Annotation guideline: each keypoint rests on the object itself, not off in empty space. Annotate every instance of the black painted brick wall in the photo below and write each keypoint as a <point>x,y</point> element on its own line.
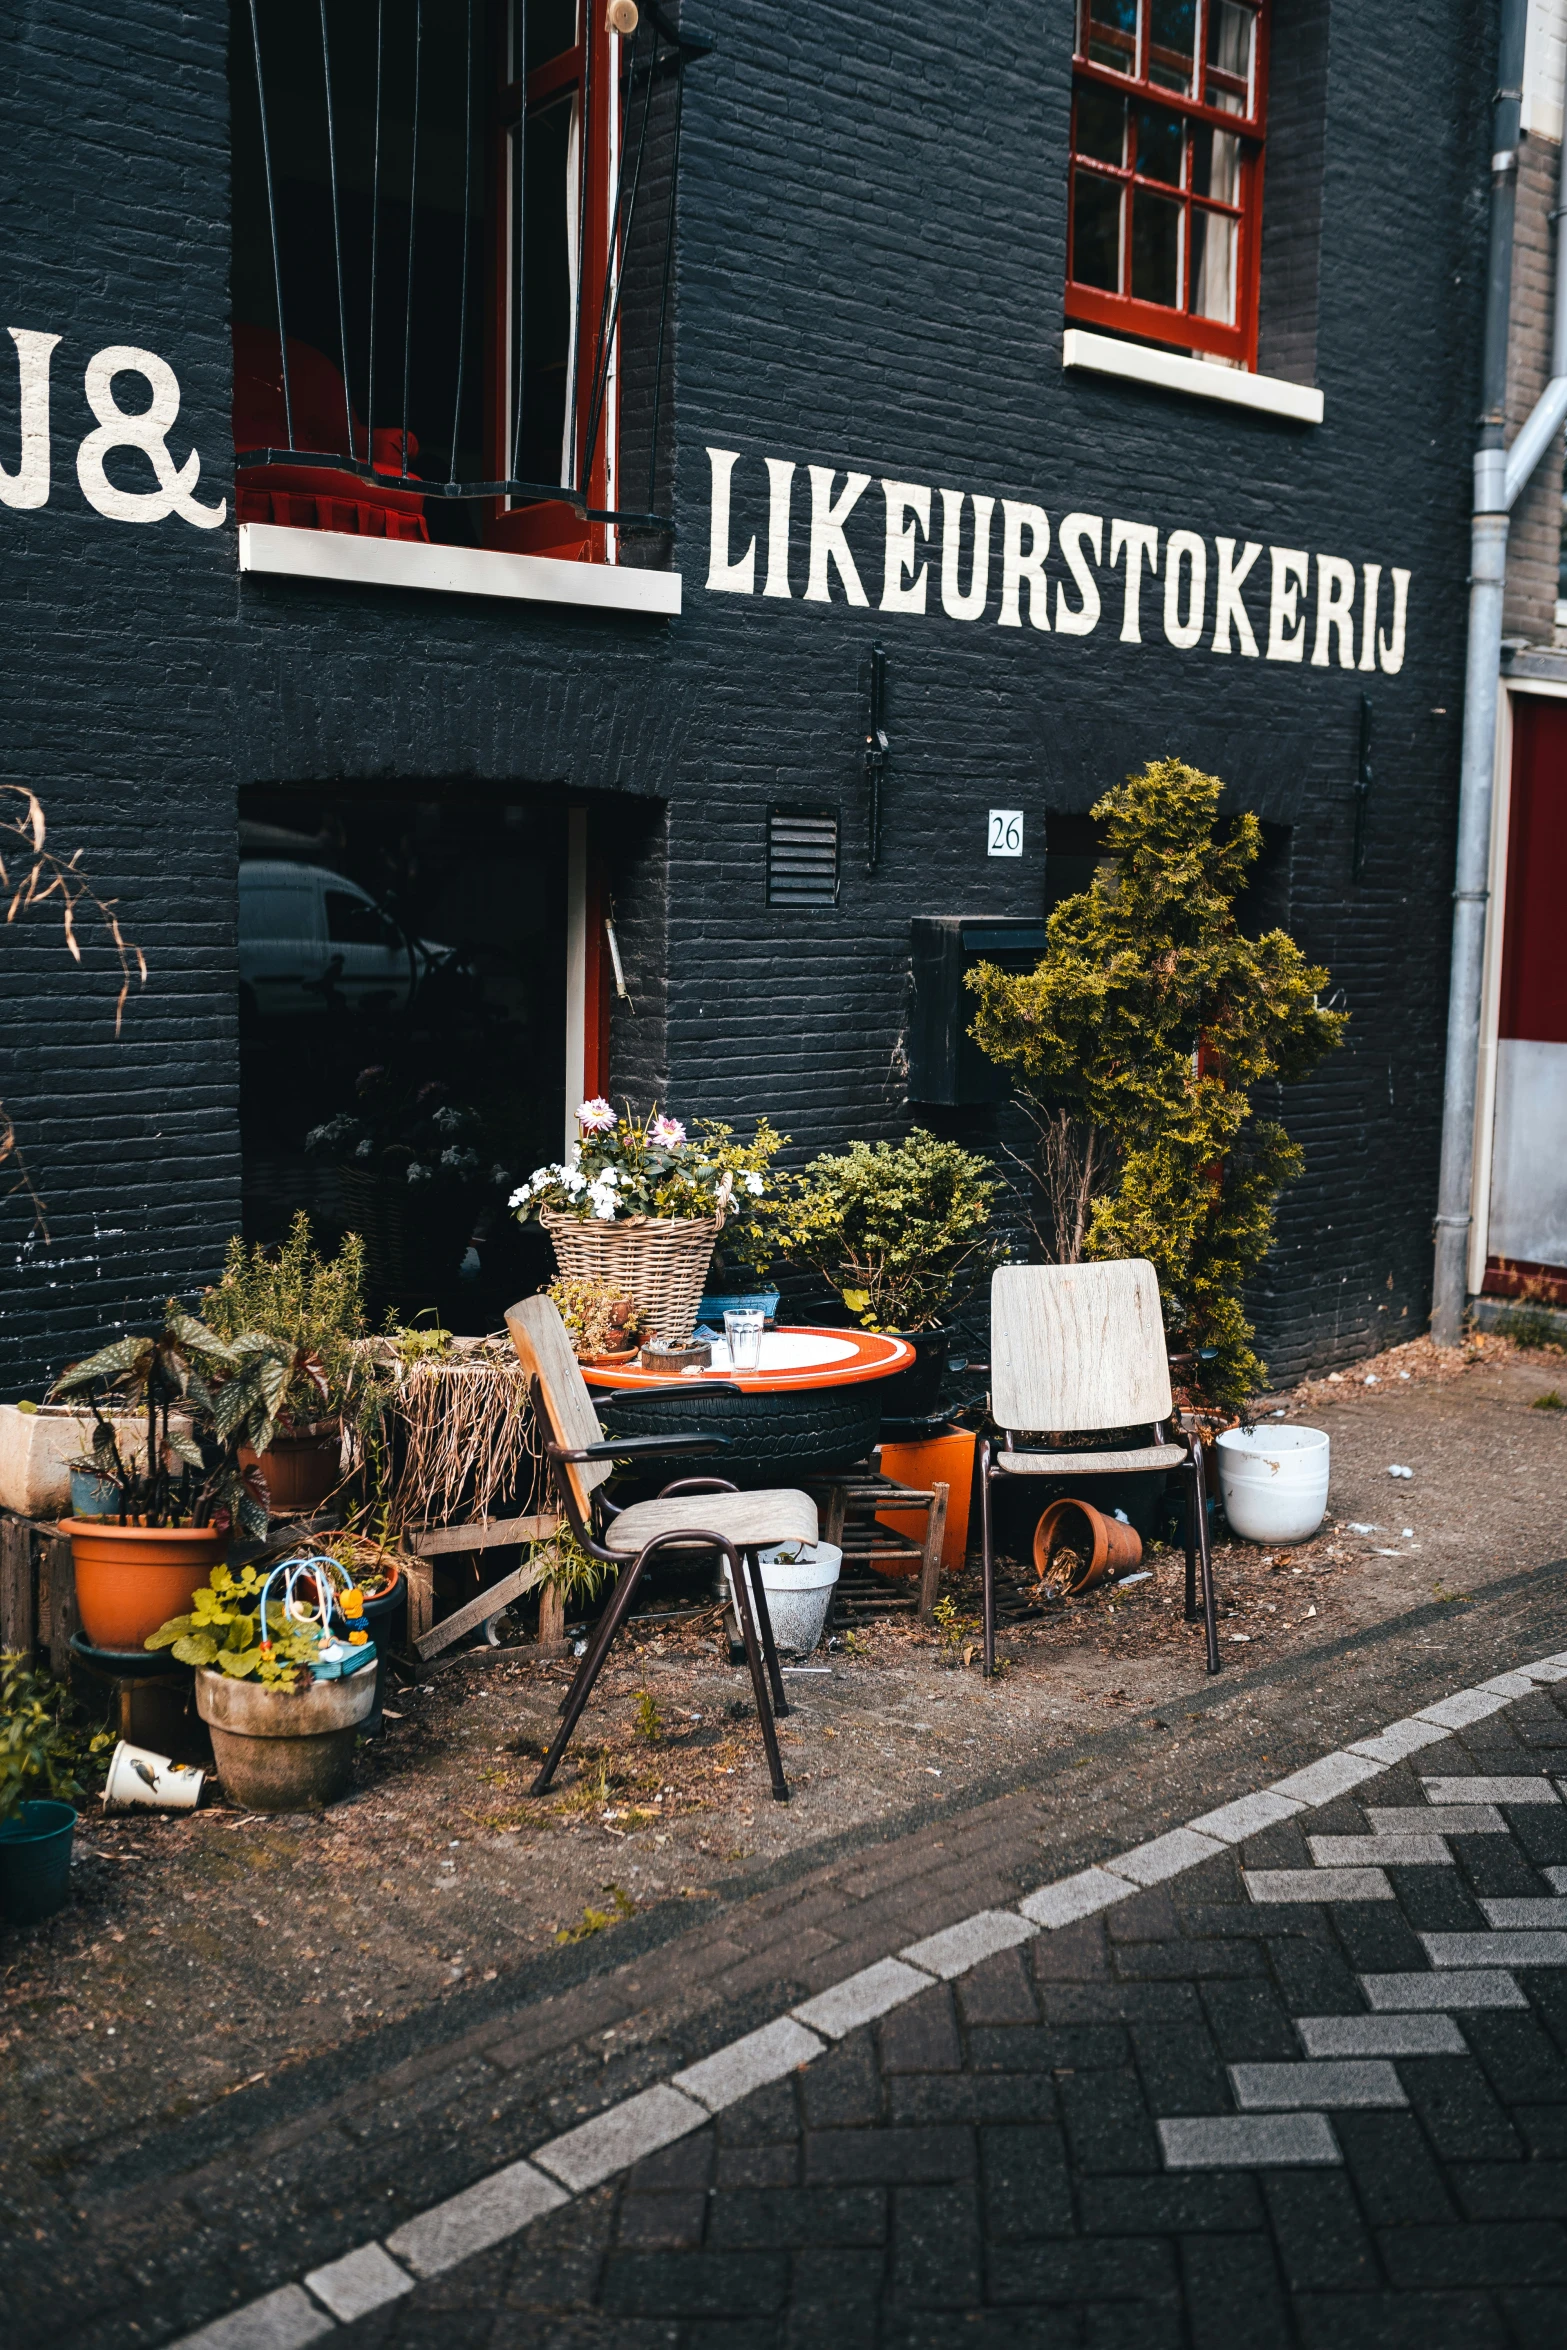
<point>869,269</point>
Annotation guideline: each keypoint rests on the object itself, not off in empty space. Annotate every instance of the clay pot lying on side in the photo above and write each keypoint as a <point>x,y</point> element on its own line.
<point>284,1749</point>
<point>1104,1546</point>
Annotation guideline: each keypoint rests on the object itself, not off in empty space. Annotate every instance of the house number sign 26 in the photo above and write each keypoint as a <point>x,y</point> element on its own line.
<point>145,429</point>
<point>1005,838</point>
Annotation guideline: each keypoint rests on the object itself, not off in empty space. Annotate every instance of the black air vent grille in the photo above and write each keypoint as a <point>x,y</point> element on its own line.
<point>802,857</point>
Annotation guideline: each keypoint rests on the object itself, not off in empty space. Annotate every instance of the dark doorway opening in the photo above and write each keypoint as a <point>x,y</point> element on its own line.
<point>402,954</point>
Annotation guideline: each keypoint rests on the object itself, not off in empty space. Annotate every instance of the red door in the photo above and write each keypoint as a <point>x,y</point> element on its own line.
<point>1528,1220</point>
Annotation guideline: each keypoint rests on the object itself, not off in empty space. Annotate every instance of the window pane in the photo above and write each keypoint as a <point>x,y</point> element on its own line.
<point>1213,266</point>
<point>1230,32</point>
<point>1216,164</point>
<point>1112,34</point>
<point>1096,231</point>
<point>1160,139</point>
<point>552,28</point>
<point>1101,124</point>
<point>1171,38</point>
<point>1156,250</point>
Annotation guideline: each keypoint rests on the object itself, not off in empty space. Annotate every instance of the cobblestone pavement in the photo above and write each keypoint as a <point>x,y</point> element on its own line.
<point>979,2158</point>
<point>1311,2090</point>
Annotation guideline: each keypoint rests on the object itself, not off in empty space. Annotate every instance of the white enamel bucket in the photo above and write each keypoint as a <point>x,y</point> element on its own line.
<point>1274,1482</point>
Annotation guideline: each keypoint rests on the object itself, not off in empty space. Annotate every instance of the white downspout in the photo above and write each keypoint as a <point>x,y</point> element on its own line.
<point>1499,476</point>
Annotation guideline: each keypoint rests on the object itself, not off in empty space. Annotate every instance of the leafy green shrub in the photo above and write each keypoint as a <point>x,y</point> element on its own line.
<point>42,1747</point>
<point>223,1628</point>
<point>900,1230</point>
<point>1136,1046</point>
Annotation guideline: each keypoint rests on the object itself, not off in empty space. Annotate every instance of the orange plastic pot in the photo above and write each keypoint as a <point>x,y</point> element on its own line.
<point>934,1460</point>
<point>1108,1548</point>
<point>131,1579</point>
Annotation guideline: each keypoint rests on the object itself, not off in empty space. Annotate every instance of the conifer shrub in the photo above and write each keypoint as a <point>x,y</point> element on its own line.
<point>1136,1046</point>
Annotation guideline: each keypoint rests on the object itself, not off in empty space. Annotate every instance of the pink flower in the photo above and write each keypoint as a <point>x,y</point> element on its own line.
<point>596,1116</point>
<point>668,1132</point>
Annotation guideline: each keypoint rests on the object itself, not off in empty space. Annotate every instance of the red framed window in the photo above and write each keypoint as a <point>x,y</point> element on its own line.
<point>1168,113</point>
<point>447,265</point>
<point>553,406</point>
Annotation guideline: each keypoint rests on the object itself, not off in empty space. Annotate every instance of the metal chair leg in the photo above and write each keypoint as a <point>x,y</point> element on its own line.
<point>1209,1604</point>
<point>764,1625</point>
<point>989,1578</point>
<point>1192,1507</point>
<point>592,1665</point>
<point>753,1657</point>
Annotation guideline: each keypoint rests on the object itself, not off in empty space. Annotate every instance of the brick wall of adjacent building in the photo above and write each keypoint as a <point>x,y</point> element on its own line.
<point>1534,538</point>
<point>871,251</point>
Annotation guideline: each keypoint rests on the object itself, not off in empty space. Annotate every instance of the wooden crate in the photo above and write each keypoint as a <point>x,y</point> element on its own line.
<point>37,1590</point>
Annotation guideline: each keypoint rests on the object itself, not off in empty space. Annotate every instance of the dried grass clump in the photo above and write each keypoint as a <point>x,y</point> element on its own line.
<point>469,1445</point>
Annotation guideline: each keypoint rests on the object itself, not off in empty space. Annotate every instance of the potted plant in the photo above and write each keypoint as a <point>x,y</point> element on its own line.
<point>902,1233</point>
<point>415,1176</point>
<point>41,1445</point>
<point>314,1307</point>
<point>604,1324</point>
<point>41,1752</point>
<point>283,1731</point>
<point>205,1401</point>
<point>639,1204</point>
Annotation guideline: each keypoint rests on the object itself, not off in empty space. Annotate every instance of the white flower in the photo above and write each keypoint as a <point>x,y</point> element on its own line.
<point>521,1196</point>
<point>595,1116</point>
<point>602,1198</point>
<point>573,1181</point>
<point>669,1132</point>
<point>753,1184</point>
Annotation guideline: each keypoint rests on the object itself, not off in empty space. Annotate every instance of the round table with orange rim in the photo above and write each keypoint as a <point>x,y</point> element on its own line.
<point>813,1407</point>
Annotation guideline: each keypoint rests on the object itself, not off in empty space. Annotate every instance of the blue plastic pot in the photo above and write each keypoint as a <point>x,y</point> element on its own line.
<point>35,1861</point>
<point>93,1496</point>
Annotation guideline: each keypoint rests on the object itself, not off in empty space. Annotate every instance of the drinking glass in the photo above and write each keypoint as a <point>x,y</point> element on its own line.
<point>743,1328</point>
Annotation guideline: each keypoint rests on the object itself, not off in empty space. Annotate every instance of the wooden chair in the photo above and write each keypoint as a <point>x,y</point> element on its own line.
<point>1076,1349</point>
<point>722,1519</point>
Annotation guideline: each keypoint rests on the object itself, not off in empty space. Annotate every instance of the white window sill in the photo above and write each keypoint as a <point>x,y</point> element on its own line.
<point>455,571</point>
<point>1172,372</point>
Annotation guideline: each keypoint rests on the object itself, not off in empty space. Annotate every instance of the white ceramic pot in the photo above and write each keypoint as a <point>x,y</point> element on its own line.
<point>798,1578</point>
<point>35,1446</point>
<point>1274,1482</point>
<point>138,1777</point>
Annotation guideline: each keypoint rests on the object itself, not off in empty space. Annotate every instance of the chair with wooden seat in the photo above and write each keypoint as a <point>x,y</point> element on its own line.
<point>705,1513</point>
<point>1080,1350</point>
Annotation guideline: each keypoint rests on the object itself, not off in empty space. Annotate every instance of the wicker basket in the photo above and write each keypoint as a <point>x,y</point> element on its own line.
<point>661,1261</point>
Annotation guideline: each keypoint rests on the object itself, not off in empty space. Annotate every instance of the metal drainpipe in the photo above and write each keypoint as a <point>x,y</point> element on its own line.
<point>1482,676</point>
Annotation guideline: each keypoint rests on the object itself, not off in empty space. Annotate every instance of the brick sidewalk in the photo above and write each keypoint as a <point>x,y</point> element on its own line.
<point>1310,2090</point>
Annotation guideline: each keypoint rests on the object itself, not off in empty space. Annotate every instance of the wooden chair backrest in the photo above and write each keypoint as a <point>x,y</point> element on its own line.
<point>1077,1347</point>
<point>544,1350</point>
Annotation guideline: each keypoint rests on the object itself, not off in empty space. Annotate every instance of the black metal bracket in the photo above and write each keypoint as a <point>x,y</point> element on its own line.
<point>876,750</point>
<point>1362,785</point>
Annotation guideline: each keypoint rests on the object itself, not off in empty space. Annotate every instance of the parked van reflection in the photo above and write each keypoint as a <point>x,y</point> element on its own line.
<point>311,939</point>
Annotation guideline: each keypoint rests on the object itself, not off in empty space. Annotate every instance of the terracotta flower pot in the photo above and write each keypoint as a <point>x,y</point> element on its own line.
<point>131,1579</point>
<point>300,1472</point>
<point>284,1749</point>
<point>1106,1547</point>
